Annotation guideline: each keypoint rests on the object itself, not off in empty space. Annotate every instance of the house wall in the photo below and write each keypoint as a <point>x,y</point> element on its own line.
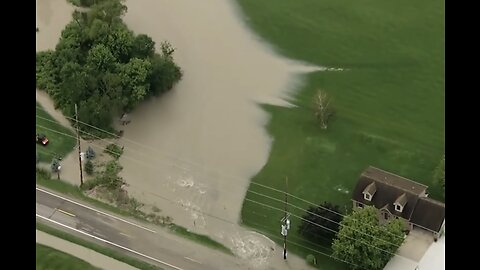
<point>410,226</point>
<point>442,229</point>
<point>357,204</point>
<point>440,233</point>
<point>436,235</point>
<point>381,216</point>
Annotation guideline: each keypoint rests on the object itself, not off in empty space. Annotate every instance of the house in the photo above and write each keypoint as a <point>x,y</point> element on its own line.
<point>397,197</point>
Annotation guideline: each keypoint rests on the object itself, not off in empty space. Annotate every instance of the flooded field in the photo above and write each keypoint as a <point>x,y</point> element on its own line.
<point>192,151</point>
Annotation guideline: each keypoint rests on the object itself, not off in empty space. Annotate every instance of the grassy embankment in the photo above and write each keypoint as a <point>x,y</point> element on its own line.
<point>61,139</point>
<point>52,259</point>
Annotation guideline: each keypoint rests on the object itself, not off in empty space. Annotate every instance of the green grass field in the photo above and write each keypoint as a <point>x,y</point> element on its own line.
<point>51,259</point>
<point>389,101</point>
<point>59,144</point>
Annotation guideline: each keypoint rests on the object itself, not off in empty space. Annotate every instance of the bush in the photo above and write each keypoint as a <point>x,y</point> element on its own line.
<point>90,154</point>
<point>83,3</point>
<point>42,173</point>
<point>311,259</point>
<point>320,223</point>
<point>90,184</point>
<point>55,165</point>
<point>89,167</point>
<point>114,150</point>
<point>108,178</point>
<point>134,205</point>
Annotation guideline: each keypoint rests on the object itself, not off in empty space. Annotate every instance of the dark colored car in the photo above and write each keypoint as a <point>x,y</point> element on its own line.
<point>42,139</point>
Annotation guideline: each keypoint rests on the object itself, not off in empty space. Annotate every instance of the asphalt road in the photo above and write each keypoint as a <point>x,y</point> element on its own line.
<point>145,241</point>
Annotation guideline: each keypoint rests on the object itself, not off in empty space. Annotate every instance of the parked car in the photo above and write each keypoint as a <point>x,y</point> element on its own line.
<point>42,139</point>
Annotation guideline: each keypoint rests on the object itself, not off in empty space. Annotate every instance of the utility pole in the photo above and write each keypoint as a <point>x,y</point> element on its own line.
<point>79,149</point>
<point>286,221</point>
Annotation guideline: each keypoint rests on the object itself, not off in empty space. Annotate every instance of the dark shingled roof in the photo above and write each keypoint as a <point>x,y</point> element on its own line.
<point>391,188</point>
<point>386,195</point>
<point>429,214</point>
<point>391,179</point>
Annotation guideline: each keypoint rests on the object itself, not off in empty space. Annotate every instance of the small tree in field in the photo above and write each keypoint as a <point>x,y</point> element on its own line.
<point>323,108</point>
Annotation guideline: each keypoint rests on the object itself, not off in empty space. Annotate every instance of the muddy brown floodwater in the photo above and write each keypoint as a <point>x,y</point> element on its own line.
<point>193,151</point>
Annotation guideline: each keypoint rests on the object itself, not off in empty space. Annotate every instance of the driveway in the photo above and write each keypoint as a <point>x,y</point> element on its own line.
<point>419,252</point>
<point>416,244</point>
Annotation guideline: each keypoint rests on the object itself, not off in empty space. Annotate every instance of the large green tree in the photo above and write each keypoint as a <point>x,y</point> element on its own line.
<point>103,67</point>
<point>364,242</point>
<point>320,224</point>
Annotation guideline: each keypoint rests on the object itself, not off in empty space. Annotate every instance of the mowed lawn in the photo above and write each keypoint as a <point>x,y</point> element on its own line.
<point>61,139</point>
<point>48,258</point>
<point>389,101</point>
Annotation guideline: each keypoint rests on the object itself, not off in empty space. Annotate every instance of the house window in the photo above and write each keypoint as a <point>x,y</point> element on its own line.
<point>367,196</point>
<point>360,205</point>
<point>385,215</point>
<point>398,208</point>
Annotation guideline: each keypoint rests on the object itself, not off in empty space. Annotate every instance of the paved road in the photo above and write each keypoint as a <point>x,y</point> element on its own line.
<point>150,243</point>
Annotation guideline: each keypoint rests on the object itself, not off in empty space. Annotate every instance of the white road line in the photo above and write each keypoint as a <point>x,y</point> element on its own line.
<point>111,243</point>
<point>98,211</point>
<point>190,259</point>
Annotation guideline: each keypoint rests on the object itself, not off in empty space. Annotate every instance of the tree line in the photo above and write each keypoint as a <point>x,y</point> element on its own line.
<point>103,67</point>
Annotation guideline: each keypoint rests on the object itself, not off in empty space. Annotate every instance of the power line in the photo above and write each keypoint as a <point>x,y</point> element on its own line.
<point>325,218</point>
<point>191,163</point>
<point>49,153</point>
<point>79,149</point>
<point>212,171</point>
<point>229,222</point>
<point>248,190</point>
<point>321,226</point>
<point>278,209</point>
<point>259,225</point>
<point>104,149</point>
<point>108,141</point>
<point>317,205</point>
<point>328,255</point>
